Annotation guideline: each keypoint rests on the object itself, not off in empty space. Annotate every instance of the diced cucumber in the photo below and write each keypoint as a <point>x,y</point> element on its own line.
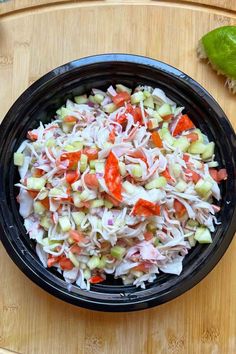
<point>83,162</point>
<point>84,195</point>
<point>146,93</point>
<point>166,136</point>
<point>77,199</point>
<point>136,171</point>
<point>45,241</point>
<point>66,127</point>
<point>78,217</point>
<point>92,164</point>
<point>100,167</point>
<point>54,192</point>
<point>153,123</point>
<point>209,151</point>
<point>93,262</point>
<point>213,164</point>
<point>156,241</point>
<point>38,208</point>
<point>64,112</point>
<point>18,158</point>
<point>108,204</point>
<point>182,143</point>
<point>196,147</point>
<point>45,222</point>
<point>73,259</point>
<point>97,203</point>
<point>192,241</point>
<point>177,170</point>
<point>192,223</point>
<point>122,168</point>
<point>87,274</point>
<point>137,273</point>
<point>154,114</point>
<point>129,187</point>
<point>156,183</point>
<point>69,147</point>
<point>51,142</point>
<point>35,183</point>
<point>151,227</point>
<point>109,108</point>
<point>64,223</point>
<point>148,102</point>
<point>203,187</point>
<point>165,125</point>
<point>122,88</point>
<point>107,144</point>
<point>118,252</point>
<point>137,97</point>
<point>102,262</point>
<point>81,99</point>
<point>203,235</point>
<point>78,145</point>
<point>200,136</point>
<point>181,186</point>
<point>91,99</point>
<point>165,110</point>
<point>98,98</point>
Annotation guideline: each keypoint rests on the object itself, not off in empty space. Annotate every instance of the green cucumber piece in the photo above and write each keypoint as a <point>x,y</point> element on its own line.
<point>203,235</point>
<point>19,158</point>
<point>118,252</point>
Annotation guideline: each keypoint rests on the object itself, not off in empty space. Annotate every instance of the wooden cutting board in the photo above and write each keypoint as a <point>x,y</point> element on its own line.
<point>36,36</point>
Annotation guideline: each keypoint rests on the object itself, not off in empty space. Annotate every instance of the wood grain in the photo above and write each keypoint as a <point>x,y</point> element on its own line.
<point>33,322</point>
<point>16,5</point>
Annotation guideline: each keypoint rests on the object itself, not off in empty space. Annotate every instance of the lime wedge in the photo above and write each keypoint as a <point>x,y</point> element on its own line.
<point>219,47</point>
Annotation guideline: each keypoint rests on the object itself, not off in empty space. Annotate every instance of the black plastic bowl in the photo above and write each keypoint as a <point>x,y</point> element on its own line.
<point>40,101</point>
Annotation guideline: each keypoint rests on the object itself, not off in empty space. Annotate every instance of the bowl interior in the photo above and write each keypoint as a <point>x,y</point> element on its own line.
<point>40,102</point>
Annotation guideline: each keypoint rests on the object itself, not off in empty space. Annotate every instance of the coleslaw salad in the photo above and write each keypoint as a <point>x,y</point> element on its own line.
<point>119,183</point>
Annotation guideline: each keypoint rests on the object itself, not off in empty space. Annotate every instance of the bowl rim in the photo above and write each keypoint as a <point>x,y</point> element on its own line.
<point>117,58</point>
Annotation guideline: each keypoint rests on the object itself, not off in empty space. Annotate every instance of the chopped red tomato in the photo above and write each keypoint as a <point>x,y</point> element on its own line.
<point>145,208</point>
<point>75,249</point>
<point>121,98</point>
<point>73,158</point>
<point>112,176</point>
<point>214,174</point>
<point>192,175</point>
<point>45,203</point>
<point>168,117</point>
<point>222,174</point>
<point>96,279</point>
<point>157,139</point>
<point>32,135</point>
<point>137,114</point>
<point>72,176</point>
<point>186,157</point>
<point>192,137</point>
<point>142,267</point>
<point>218,176</point>
<point>52,260</point>
<point>148,235</point>
<point>91,181</point>
<point>184,123</point>
<point>70,119</point>
<point>38,172</point>
<point>180,209</point>
<point>77,236</point>
<point>33,194</point>
<point>92,153</point>
<point>66,263</point>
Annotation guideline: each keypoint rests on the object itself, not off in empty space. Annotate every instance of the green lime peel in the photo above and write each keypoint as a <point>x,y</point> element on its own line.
<point>219,47</point>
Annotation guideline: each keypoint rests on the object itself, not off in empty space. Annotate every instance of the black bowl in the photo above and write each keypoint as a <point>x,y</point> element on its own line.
<point>40,101</point>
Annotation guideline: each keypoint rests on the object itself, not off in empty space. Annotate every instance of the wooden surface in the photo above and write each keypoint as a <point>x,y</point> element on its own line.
<point>33,42</point>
